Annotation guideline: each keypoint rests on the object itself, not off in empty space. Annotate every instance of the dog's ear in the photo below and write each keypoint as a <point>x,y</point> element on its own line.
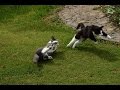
<point>53,38</point>
<point>80,25</point>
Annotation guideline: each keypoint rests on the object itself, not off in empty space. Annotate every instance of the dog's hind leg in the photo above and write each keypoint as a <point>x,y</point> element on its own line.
<point>72,41</point>
<point>94,39</point>
<point>46,56</point>
<point>35,58</point>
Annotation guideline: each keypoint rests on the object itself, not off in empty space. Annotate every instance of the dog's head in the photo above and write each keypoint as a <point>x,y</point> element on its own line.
<point>80,26</point>
<point>53,41</point>
<point>99,31</point>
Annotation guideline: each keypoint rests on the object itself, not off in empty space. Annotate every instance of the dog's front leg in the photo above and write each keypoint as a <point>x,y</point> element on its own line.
<point>49,57</point>
<point>94,39</point>
<point>76,43</point>
<point>72,41</point>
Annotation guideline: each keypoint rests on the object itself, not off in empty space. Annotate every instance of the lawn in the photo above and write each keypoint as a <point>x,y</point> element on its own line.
<point>25,28</point>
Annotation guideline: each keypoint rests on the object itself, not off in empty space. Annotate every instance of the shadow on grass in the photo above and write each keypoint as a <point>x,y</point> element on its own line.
<point>41,64</point>
<point>59,55</point>
<point>103,54</point>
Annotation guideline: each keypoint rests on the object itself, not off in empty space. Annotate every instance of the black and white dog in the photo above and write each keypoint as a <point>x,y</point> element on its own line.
<point>46,52</point>
<point>85,33</point>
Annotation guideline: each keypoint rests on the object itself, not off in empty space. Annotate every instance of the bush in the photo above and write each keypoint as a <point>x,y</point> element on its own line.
<point>113,12</point>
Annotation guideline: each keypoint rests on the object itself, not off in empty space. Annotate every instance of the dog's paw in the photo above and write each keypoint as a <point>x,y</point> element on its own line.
<point>50,57</point>
<point>68,46</point>
<point>109,37</point>
<point>73,47</point>
<point>96,42</point>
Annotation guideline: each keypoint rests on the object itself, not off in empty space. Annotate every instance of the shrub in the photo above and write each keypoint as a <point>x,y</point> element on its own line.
<point>113,12</point>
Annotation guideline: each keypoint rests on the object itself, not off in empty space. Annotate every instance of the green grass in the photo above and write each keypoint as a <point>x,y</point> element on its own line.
<point>23,29</point>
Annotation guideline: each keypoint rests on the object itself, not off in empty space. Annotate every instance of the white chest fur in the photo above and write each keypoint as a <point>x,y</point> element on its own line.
<point>51,47</point>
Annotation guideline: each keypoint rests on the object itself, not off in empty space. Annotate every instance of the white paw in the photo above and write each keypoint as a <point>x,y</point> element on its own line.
<point>68,45</point>
<point>109,37</point>
<point>50,57</point>
<point>73,47</point>
<point>96,42</point>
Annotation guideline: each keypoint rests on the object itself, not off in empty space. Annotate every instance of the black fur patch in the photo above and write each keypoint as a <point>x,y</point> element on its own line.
<point>87,32</point>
